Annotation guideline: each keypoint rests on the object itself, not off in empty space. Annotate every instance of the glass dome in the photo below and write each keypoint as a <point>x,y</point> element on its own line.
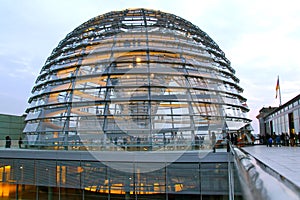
<point>135,79</point>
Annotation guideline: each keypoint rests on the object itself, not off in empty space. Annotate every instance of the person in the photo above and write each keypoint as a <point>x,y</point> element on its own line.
<point>287,138</point>
<point>270,141</point>
<point>115,140</point>
<point>197,142</point>
<point>235,139</point>
<point>20,142</point>
<point>213,141</point>
<point>267,139</point>
<point>125,141</point>
<point>252,139</point>
<point>278,141</point>
<point>227,142</point>
<point>8,142</point>
<point>138,142</point>
<point>282,138</point>
<point>296,139</point>
<point>292,139</point>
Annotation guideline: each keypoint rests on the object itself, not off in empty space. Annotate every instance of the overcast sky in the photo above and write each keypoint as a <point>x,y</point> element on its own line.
<point>260,38</point>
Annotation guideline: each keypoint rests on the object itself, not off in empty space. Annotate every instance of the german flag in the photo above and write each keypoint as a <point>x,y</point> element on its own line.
<point>277,87</point>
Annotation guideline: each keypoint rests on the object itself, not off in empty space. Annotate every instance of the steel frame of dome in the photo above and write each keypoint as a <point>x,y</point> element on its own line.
<point>143,76</point>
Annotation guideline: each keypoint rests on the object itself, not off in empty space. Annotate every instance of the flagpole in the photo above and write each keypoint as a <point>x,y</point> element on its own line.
<point>279,95</point>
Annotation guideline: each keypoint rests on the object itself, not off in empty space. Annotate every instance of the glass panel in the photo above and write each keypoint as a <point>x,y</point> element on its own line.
<point>183,177</point>
<point>214,177</point>
<point>68,174</point>
<point>94,175</point>
<point>153,181</point>
<point>33,115</point>
<point>31,127</point>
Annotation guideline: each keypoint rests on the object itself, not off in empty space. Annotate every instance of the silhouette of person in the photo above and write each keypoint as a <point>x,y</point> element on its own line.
<point>8,142</point>
<point>20,142</point>
<point>138,142</point>
<point>197,142</point>
<point>213,141</point>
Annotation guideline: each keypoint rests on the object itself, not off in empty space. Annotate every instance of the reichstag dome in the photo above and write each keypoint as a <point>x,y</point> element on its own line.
<point>135,80</point>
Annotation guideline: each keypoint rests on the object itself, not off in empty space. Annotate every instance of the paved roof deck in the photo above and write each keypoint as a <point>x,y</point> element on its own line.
<point>285,161</point>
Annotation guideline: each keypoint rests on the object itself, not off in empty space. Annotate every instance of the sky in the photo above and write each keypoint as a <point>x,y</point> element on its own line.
<point>260,38</point>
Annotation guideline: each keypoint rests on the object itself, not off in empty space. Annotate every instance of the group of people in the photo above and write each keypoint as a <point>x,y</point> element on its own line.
<point>8,142</point>
<point>284,139</point>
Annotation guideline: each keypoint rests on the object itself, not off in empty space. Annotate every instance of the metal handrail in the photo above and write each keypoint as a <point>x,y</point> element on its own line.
<point>256,183</point>
<point>108,145</point>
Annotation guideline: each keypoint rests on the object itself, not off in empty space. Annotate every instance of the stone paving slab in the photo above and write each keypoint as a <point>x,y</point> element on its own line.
<point>283,160</point>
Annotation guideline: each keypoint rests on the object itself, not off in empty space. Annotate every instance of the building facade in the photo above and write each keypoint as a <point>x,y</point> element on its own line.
<point>64,175</point>
<point>283,119</point>
<point>141,97</point>
<point>11,125</point>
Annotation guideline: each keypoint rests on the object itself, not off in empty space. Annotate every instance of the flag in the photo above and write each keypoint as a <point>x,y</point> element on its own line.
<point>277,87</point>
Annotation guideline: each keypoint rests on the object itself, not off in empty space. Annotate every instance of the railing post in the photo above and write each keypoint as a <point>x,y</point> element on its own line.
<point>230,173</point>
